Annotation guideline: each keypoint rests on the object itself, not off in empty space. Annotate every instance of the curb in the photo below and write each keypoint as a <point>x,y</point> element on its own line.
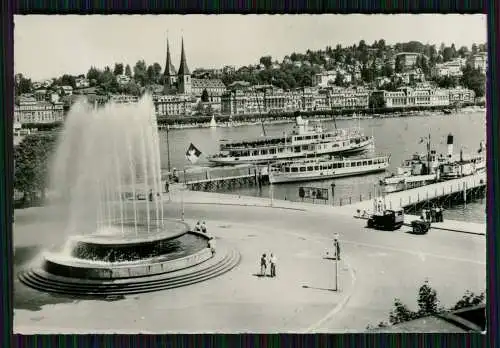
<point>244,205</point>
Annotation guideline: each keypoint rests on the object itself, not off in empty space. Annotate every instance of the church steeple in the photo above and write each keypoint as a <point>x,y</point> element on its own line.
<point>184,76</point>
<point>183,68</point>
<point>169,67</point>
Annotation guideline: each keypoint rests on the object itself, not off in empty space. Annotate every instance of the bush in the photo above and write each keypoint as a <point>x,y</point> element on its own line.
<point>428,304</point>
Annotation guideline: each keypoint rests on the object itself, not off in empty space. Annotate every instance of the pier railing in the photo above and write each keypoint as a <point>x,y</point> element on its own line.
<point>200,175</point>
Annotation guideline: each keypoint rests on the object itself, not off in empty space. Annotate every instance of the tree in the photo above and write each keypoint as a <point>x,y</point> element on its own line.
<point>428,304</point>
<point>157,72</point>
<point>150,75</point>
<point>132,88</point>
<point>68,80</point>
<point>140,73</point>
<point>204,96</point>
<point>32,162</point>
<point>339,79</point>
<point>462,51</point>
<point>118,69</point>
<point>376,100</point>
<point>267,61</point>
<point>399,67</point>
<point>94,74</point>
<point>387,70</point>
<point>469,299</point>
<point>24,85</point>
<point>446,82</point>
<point>128,71</point>
<point>475,80</point>
<point>448,54</point>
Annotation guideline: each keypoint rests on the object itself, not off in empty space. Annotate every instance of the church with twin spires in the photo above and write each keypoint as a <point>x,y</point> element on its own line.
<point>180,81</point>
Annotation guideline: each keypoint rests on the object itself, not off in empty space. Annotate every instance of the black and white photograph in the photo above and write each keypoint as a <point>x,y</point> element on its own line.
<point>249,173</point>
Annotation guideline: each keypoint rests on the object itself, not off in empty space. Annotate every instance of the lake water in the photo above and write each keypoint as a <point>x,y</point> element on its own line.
<point>396,136</point>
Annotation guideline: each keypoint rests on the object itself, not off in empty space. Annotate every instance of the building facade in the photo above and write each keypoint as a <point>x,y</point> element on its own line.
<point>409,97</point>
<point>29,110</point>
<point>173,105</point>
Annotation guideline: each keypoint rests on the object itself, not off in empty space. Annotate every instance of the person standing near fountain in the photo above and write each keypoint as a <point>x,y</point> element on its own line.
<point>272,261</point>
<point>263,265</point>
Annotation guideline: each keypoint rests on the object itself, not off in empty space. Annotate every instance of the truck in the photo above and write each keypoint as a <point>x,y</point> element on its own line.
<point>387,219</point>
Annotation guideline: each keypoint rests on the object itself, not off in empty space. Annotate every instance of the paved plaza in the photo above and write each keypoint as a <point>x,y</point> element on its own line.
<point>376,267</point>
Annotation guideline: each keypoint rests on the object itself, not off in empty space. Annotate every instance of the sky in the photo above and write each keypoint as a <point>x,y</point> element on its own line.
<point>50,46</point>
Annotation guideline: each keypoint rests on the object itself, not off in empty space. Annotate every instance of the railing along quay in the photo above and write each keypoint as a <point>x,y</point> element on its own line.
<point>223,178</point>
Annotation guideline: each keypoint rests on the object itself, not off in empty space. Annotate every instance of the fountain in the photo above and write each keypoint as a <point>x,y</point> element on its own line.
<point>107,172</point>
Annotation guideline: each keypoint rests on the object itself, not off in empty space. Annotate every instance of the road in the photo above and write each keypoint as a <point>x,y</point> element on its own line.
<point>386,265</point>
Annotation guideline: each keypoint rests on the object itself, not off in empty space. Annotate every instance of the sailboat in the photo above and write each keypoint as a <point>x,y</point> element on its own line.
<point>213,123</point>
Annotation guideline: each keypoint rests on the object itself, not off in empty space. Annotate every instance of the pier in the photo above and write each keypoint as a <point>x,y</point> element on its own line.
<point>224,178</point>
<point>443,194</point>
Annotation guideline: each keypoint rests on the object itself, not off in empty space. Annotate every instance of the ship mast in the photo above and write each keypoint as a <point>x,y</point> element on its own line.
<point>260,113</point>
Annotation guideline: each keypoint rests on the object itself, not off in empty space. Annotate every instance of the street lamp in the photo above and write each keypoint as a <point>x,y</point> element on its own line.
<point>337,257</point>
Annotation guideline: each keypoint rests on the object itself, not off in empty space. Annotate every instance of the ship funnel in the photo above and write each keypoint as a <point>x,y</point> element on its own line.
<point>449,142</point>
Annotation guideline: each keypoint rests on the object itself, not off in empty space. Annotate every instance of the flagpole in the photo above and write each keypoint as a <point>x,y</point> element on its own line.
<point>168,147</point>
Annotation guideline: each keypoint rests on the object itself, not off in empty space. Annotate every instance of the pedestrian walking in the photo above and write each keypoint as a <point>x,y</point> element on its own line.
<point>272,261</point>
<point>263,265</point>
<point>167,186</point>
<point>151,195</point>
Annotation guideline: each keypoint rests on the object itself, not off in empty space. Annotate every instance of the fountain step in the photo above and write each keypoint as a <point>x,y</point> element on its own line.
<point>81,284</point>
<point>129,290</point>
<point>80,287</point>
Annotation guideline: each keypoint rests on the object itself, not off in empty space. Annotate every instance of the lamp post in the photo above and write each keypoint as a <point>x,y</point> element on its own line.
<point>336,246</point>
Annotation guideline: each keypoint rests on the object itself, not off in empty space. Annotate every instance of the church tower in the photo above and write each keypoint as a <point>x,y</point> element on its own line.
<point>169,75</point>
<point>183,76</point>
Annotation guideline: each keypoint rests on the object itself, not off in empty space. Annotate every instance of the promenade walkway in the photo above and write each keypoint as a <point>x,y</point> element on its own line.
<point>376,267</point>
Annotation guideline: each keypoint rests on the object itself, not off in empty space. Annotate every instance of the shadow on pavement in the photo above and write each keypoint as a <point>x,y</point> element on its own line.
<point>317,288</point>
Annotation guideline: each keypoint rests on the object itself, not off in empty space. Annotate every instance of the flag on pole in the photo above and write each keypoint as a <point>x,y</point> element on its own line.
<point>193,154</point>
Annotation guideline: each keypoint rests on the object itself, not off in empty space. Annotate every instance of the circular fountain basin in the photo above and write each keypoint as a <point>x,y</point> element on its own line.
<point>129,250</point>
<point>129,233</point>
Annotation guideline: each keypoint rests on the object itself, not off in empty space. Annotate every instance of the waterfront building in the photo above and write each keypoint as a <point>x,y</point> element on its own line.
<point>173,105</point>
<point>30,110</point>
<point>214,87</point>
<point>123,98</point>
<point>461,95</point>
<point>233,102</point>
<point>413,97</point>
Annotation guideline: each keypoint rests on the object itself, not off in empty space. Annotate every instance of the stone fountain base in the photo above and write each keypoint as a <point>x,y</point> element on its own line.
<point>134,261</point>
